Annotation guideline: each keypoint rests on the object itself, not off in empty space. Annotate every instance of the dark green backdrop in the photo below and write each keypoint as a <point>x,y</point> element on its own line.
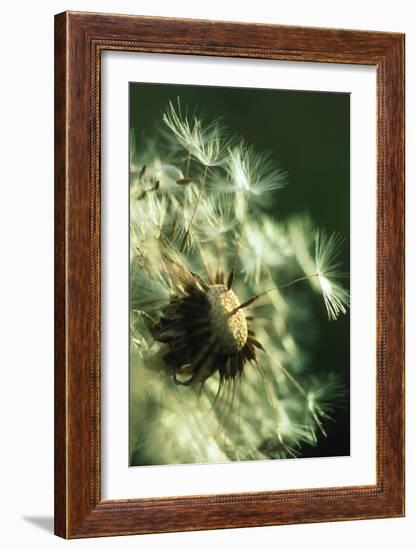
<point>309,134</point>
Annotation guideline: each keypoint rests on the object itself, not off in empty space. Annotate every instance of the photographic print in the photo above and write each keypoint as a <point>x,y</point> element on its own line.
<point>239,236</point>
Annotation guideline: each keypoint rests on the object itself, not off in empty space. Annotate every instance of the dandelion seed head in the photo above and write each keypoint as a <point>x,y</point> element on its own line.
<point>230,331</point>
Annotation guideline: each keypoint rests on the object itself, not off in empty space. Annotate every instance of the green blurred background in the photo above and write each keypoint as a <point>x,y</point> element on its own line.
<point>308,133</point>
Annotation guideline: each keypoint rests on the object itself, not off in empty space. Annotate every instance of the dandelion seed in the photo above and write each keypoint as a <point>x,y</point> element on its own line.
<point>186,221</point>
<point>323,398</point>
<point>327,393</point>
<point>263,246</point>
<point>254,172</point>
<point>327,254</point>
<point>207,143</point>
<point>213,146</point>
<point>185,130</point>
<point>287,440</point>
<point>216,217</point>
<point>148,215</point>
<point>147,219</point>
<point>148,294</point>
<point>324,269</point>
<point>251,176</point>
<point>168,175</point>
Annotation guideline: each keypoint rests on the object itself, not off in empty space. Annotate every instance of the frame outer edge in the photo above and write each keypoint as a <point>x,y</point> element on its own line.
<point>392,251</point>
<point>77,514</point>
<point>60,295</point>
<point>403,153</point>
<point>397,214</point>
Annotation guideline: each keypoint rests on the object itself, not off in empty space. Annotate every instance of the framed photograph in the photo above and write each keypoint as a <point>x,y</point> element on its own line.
<point>229,275</point>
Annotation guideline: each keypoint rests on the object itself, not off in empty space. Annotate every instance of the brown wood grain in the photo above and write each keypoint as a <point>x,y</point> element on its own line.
<point>79,40</point>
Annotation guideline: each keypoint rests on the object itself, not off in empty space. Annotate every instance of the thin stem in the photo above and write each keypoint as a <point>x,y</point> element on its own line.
<point>235,260</point>
<point>301,390</point>
<point>204,263</point>
<point>291,283</point>
<point>220,268</point>
<point>183,260</point>
<point>255,297</point>
<point>290,377</point>
<point>189,158</point>
<point>202,187</point>
<point>236,254</point>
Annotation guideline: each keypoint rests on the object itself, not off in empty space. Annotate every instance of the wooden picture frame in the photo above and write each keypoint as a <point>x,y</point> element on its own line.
<point>79,40</point>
